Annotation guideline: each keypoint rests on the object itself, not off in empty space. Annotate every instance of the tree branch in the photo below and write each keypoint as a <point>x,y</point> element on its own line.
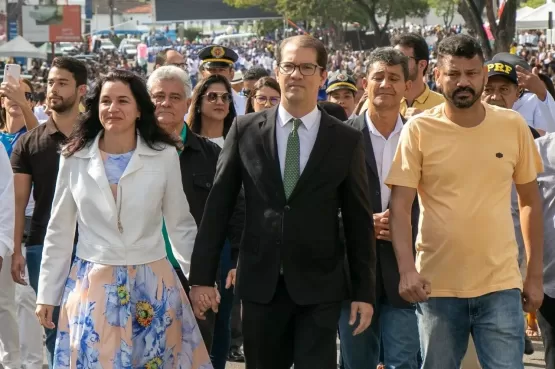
<point>491,16</point>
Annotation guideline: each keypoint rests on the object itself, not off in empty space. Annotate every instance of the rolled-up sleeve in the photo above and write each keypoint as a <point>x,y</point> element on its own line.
<point>7,204</point>
<point>180,224</point>
<point>58,243</point>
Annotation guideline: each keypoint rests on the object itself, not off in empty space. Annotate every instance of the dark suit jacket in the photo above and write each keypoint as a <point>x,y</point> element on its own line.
<point>198,166</point>
<point>387,278</point>
<point>300,233</point>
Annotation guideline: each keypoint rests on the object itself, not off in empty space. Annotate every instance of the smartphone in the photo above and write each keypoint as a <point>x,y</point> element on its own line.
<point>12,73</point>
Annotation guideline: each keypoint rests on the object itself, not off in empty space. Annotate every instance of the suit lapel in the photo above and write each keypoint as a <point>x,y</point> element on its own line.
<point>369,149</point>
<point>268,134</point>
<point>98,173</point>
<point>324,139</point>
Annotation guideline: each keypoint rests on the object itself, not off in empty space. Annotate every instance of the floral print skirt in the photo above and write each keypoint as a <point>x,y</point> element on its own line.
<point>127,317</point>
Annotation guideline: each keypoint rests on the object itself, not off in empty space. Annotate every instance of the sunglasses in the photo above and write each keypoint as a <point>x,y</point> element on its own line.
<point>212,97</point>
<point>262,100</point>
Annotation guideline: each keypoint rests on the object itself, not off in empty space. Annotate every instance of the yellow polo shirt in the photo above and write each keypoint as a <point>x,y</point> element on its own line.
<point>466,243</point>
<point>427,100</point>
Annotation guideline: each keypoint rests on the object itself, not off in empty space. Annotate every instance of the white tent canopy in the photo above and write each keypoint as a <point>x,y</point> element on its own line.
<point>538,18</point>
<point>20,47</point>
<point>523,12</point>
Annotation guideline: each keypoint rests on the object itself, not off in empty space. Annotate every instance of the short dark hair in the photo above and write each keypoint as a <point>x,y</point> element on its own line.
<point>255,73</point>
<point>462,46</point>
<point>389,56</point>
<point>308,42</point>
<point>76,67</point>
<point>89,125</point>
<point>417,43</point>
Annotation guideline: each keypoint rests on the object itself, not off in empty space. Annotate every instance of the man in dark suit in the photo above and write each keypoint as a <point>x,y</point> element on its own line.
<point>299,168</point>
<point>394,323</point>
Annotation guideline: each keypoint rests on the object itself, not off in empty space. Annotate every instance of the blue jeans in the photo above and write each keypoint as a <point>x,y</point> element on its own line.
<point>222,328</point>
<point>34,258</point>
<point>494,320</point>
<point>395,329</point>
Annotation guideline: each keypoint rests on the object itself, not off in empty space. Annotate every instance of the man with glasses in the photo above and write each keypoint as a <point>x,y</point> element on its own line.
<point>299,167</point>
<point>419,97</point>
<point>170,91</point>
<point>342,90</point>
<point>170,57</point>
<point>220,60</point>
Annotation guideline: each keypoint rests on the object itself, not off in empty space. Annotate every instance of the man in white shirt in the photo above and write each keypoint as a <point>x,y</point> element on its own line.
<point>394,327</point>
<point>10,355</point>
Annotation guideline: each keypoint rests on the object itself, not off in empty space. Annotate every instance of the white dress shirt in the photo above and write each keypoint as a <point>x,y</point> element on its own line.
<point>537,113</point>
<point>384,151</point>
<point>307,134</point>
<point>150,189</point>
<point>7,205</point>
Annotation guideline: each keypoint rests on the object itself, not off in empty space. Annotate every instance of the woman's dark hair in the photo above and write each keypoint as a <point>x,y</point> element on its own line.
<point>194,118</point>
<point>333,109</point>
<point>262,82</point>
<point>3,113</point>
<point>89,125</point>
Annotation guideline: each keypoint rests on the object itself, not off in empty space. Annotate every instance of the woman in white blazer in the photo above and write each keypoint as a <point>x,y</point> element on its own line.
<point>121,304</point>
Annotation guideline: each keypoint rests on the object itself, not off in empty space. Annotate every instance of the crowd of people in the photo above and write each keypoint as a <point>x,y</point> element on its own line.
<point>186,219</point>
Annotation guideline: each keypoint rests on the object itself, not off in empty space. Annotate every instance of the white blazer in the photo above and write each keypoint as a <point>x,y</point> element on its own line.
<point>149,189</point>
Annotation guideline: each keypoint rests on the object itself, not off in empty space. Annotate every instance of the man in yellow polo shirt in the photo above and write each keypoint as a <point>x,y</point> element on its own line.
<point>463,157</point>
<point>419,97</point>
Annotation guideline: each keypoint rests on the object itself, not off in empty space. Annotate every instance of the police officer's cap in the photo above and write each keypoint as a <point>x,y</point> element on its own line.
<point>216,56</point>
<point>501,68</point>
<point>511,59</point>
<point>342,81</point>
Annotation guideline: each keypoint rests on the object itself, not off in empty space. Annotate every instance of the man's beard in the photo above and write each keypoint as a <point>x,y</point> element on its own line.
<point>464,103</point>
<point>64,104</point>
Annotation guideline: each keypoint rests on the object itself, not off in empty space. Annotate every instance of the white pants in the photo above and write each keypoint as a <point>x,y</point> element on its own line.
<point>9,333</point>
<point>17,304</point>
<point>30,331</point>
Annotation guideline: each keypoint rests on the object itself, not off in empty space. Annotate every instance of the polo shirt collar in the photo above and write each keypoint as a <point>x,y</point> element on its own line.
<point>421,99</point>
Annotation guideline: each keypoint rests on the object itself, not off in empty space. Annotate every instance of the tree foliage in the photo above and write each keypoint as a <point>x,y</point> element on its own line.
<point>533,3</point>
<point>503,32</point>
<point>445,9</point>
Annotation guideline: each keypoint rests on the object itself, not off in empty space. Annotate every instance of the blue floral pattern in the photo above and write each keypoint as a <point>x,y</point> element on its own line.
<point>126,317</point>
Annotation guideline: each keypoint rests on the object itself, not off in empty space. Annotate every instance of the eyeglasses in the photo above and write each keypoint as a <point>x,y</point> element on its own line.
<point>306,69</point>
<point>262,100</point>
<point>29,95</point>
<point>179,65</point>
<point>212,97</point>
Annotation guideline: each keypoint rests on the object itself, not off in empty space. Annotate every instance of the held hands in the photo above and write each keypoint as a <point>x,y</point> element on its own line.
<point>204,298</point>
<point>366,311</point>
<point>44,313</point>
<point>532,294</point>
<point>413,287</point>
<point>381,226</point>
<point>18,269</point>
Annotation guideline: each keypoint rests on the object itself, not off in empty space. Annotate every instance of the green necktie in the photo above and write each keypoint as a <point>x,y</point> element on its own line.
<point>292,170</point>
